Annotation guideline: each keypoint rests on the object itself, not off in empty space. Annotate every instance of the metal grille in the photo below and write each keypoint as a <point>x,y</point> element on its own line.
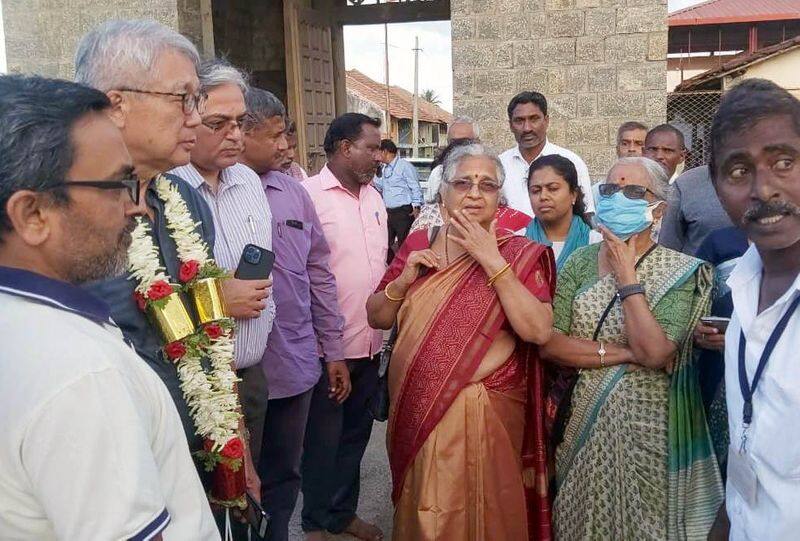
<point>692,113</point>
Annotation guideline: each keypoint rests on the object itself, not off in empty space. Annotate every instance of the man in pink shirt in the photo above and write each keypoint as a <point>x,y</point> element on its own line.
<point>353,219</point>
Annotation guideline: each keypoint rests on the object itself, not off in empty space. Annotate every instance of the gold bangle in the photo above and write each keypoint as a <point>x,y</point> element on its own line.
<point>498,274</point>
<point>393,299</point>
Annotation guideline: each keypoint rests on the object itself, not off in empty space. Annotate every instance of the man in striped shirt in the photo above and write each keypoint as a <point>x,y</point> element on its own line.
<point>241,217</point>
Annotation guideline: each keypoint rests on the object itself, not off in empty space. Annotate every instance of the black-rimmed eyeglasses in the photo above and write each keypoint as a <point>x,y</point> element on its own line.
<point>129,184</point>
<point>189,101</point>
<point>631,191</point>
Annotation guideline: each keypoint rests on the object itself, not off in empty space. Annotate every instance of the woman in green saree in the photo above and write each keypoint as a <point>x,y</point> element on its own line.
<point>636,460</point>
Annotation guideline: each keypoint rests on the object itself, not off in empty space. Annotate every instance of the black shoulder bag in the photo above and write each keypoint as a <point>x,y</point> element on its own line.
<point>379,404</point>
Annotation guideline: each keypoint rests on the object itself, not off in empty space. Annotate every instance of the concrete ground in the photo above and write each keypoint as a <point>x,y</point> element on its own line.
<point>375,502</point>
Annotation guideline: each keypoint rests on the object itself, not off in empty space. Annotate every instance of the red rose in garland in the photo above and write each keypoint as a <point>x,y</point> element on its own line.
<point>188,270</point>
<point>175,350</point>
<point>213,331</point>
<point>159,290</point>
<point>141,301</point>
<point>233,449</point>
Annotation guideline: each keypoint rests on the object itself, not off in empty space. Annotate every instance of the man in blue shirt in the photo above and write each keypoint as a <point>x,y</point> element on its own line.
<point>402,195</point>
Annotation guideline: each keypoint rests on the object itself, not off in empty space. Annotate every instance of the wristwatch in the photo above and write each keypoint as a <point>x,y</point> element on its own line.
<point>602,352</point>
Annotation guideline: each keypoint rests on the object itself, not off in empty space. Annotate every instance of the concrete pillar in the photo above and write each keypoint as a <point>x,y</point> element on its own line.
<point>598,62</point>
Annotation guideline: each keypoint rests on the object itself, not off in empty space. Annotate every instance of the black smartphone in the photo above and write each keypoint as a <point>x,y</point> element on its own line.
<point>255,264</point>
<point>719,323</point>
<point>258,518</point>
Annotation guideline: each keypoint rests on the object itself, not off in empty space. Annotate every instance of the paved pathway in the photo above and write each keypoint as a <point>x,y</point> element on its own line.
<point>375,502</point>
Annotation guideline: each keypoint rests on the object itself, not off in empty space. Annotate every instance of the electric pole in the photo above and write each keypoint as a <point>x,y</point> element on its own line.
<point>387,120</point>
<point>415,118</point>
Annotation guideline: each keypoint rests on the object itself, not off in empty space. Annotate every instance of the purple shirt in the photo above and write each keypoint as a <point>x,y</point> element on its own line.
<point>304,290</point>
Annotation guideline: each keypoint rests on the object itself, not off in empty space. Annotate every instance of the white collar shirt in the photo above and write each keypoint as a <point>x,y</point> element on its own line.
<point>92,446</point>
<point>773,438</point>
<point>515,187</point>
<point>241,216</point>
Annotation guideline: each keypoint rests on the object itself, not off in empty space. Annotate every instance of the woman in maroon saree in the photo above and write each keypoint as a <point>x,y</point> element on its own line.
<point>467,444</point>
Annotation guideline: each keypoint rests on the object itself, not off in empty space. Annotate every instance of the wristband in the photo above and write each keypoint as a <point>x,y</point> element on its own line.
<point>626,291</point>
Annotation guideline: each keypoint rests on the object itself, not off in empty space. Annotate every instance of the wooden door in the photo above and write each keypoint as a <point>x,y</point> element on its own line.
<point>310,77</point>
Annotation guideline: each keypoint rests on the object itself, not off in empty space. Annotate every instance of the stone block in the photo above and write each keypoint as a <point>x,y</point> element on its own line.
<point>559,4</point>
<point>614,104</point>
<point>562,24</point>
<point>656,104</point>
<point>493,82</point>
<point>562,106</point>
<point>531,79</point>
<point>508,6</point>
<point>567,79</point>
<point>642,76</point>
<point>649,18</point>
<point>657,45</point>
<point>587,105</point>
<point>488,28</point>
<point>583,131</point>
<point>590,49</point>
<point>503,56</point>
<point>531,26</point>
<point>463,83</point>
<point>460,7</point>
<point>557,131</point>
<point>468,55</point>
<point>557,51</point>
<point>626,48</point>
<point>462,28</point>
<point>598,158</point>
<point>600,22</point>
<point>602,78</point>
<point>525,53</point>
<point>583,4</point>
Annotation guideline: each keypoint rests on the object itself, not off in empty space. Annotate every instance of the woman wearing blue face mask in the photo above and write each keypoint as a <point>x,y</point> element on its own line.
<point>635,450</point>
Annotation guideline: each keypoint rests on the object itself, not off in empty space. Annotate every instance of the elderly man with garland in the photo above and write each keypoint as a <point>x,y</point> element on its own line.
<point>149,74</point>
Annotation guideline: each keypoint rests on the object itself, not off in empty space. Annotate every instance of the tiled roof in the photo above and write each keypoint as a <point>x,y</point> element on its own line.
<point>735,11</point>
<point>698,81</point>
<point>401,101</point>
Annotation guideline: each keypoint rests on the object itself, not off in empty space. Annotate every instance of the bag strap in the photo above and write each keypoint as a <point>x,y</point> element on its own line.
<point>615,297</point>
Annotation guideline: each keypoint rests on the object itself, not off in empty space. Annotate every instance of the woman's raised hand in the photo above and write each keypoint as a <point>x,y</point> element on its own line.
<point>477,241</point>
<point>621,257</point>
<point>417,260</point>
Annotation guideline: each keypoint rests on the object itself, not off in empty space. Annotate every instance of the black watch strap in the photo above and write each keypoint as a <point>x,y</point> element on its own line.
<point>626,291</point>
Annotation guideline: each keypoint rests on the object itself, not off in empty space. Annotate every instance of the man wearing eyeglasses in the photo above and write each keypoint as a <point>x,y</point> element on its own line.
<point>149,73</point>
<point>241,216</point>
<point>92,446</point>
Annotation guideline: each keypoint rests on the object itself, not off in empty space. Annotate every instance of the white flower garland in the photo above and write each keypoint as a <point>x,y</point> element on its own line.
<point>210,395</point>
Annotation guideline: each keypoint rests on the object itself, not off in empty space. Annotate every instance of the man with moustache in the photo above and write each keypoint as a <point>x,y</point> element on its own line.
<point>630,139</point>
<point>755,166</point>
<point>353,218</point>
<point>528,120</point>
<point>241,216</point>
<point>149,73</point>
<point>666,145</point>
<point>92,445</point>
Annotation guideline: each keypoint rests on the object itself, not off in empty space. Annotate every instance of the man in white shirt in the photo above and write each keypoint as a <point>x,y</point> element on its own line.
<point>528,120</point>
<point>92,446</point>
<point>241,216</point>
<point>756,173</point>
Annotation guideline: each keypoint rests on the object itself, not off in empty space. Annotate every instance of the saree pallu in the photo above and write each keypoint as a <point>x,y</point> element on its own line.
<point>468,459</point>
<point>637,461</point>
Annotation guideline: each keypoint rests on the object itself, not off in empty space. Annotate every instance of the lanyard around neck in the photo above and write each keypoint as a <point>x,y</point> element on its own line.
<point>747,389</point>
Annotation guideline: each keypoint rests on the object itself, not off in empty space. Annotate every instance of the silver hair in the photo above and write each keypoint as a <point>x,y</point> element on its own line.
<point>263,104</point>
<point>465,120</point>
<point>458,154</point>
<point>121,53</point>
<point>659,182</point>
<point>218,72</point>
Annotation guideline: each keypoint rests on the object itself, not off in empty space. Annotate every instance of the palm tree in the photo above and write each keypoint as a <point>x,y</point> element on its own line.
<point>431,97</point>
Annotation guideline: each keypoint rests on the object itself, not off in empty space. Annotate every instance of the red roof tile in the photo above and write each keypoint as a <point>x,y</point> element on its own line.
<point>401,101</point>
<point>736,11</point>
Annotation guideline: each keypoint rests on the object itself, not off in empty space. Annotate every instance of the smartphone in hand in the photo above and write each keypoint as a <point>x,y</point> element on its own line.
<point>255,263</point>
<point>258,518</point>
<point>719,323</point>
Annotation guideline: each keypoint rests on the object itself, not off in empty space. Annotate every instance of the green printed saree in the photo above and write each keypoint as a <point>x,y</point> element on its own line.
<point>636,461</point>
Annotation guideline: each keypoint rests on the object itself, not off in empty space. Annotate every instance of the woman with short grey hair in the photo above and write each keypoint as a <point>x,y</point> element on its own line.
<point>470,301</point>
<point>633,446</point>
